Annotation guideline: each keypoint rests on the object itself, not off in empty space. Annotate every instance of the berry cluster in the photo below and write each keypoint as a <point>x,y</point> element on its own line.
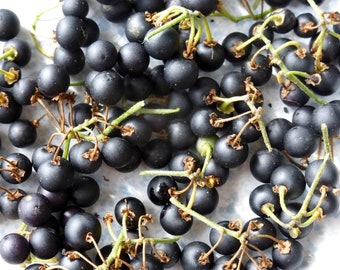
<point>155,105</point>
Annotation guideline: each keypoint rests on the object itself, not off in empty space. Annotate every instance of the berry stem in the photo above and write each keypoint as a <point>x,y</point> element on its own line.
<point>326,142</point>
<point>205,220</point>
<point>10,53</point>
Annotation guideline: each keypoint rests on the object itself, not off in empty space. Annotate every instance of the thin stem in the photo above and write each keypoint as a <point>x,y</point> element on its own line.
<point>312,188</point>
<point>325,138</point>
<point>205,220</point>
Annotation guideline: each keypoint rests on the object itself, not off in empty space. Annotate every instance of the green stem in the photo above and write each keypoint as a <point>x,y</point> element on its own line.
<point>316,214</point>
<point>292,77</point>
<point>205,220</point>
<point>158,111</point>
<point>311,190</point>
<point>207,30</point>
<point>81,83</point>
<point>10,53</point>
<point>326,141</point>
<point>165,173</point>
<point>282,193</point>
<point>268,210</point>
<point>169,24</point>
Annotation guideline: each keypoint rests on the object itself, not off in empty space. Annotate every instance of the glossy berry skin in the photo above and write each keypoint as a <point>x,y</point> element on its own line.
<point>137,87</point>
<point>74,264</point>
<point>78,8</point>
<point>250,133</point>
<point>172,251</point>
<point>133,204</point>
<point>261,195</point>
<point>107,87</point>
<point>294,208</point>
<point>150,261</point>
<point>259,71</point>
<point>101,55</point>
<point>157,153</point>
<point>163,45</point>
<point>16,168</point>
<point>277,3</point>
<point>58,200</point>
<point>34,209</point>
<point>78,226</point>
<point>9,24</point>
<point>209,57</point>
<point>293,259</point>
<point>329,177</point>
<point>85,191</point>
<point>326,114</point>
<point>116,11</point>
<point>181,160</point>
<point>11,67</point>
<point>14,248</point>
<point>231,42</point>
<point>23,49</point>
<point>141,130</point>
<point>132,58</point>
<point>264,162</point>
<point>80,112</point>
<point>330,204</point>
<point>22,133</point>
<point>116,152</point>
<point>254,30</point>
<point>43,153</point>
<point>161,86</point>
<point>181,73</point>
<point>180,134</point>
<point>288,21</point>
<point>303,116</point>
<point>329,81</point>
<point>200,122</point>
<point>228,244</point>
<point>205,200</point>
<point>9,205</point>
<point>158,189</point>
<point>330,48</point>
<point>293,96</point>
<point>181,100</point>
<point>71,32</point>
<point>136,27</point>
<point>10,110</point>
<point>304,23</point>
<point>93,31</point>
<point>201,89</point>
<point>225,260</point>
<point>227,155</point>
<point>205,6</point>
<point>85,157</point>
<point>72,60</point>
<point>300,141</point>
<point>44,243</point>
<point>56,175</point>
<point>216,173</point>
<point>299,61</point>
<point>52,80</point>
<point>134,160</point>
<point>172,222</point>
<point>276,129</point>
<point>24,89</point>
<point>260,226</point>
<point>291,177</point>
<point>191,253</point>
